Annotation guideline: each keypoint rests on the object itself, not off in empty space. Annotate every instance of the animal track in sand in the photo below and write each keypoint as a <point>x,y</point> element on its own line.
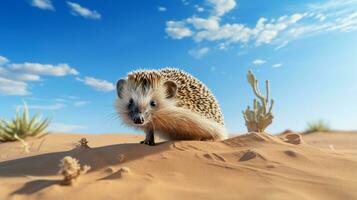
<point>291,153</point>
<point>186,146</point>
<point>123,171</point>
<point>214,156</point>
<point>249,155</point>
<point>175,146</point>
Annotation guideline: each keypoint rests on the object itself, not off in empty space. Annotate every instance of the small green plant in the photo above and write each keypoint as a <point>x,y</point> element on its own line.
<point>258,119</point>
<point>317,126</point>
<point>22,126</point>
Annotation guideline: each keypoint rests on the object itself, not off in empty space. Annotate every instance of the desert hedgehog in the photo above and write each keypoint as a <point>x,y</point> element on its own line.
<point>171,103</point>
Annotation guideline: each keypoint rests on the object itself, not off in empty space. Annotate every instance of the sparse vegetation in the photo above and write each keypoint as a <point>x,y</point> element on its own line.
<point>22,126</point>
<point>258,119</point>
<point>317,126</point>
<point>83,143</point>
<point>71,170</point>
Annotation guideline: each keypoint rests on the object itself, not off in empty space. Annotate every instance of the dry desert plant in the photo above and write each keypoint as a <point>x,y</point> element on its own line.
<point>71,169</point>
<point>22,126</point>
<point>83,143</point>
<point>317,126</point>
<point>260,117</point>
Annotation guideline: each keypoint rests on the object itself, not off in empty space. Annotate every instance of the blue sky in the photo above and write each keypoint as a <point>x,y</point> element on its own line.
<point>63,57</point>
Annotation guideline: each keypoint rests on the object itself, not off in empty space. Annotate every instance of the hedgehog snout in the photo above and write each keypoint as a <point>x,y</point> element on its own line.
<point>138,119</point>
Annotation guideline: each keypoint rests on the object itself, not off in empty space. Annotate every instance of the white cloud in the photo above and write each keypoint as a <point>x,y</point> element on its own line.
<point>177,30</point>
<point>3,60</point>
<point>314,19</point>
<point>210,29</point>
<point>43,4</point>
<point>81,103</point>
<point>199,52</point>
<point>221,7</point>
<point>78,10</point>
<point>14,77</point>
<point>201,23</point>
<point>61,127</point>
<point>97,84</point>
<point>332,5</point>
<point>258,62</point>
<point>161,9</point>
<point>185,2</point>
<point>11,87</point>
<point>9,74</point>
<point>277,65</point>
<point>266,32</point>
<point>199,8</point>
<point>282,45</point>
<point>55,106</point>
<point>71,97</point>
<point>60,100</point>
<point>228,33</point>
<point>320,17</point>
<point>44,69</point>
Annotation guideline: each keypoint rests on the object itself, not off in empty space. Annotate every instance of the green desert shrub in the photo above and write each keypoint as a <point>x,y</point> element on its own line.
<point>317,126</point>
<point>22,126</point>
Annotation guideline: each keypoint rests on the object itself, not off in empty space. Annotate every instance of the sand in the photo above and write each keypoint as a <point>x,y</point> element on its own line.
<point>250,166</point>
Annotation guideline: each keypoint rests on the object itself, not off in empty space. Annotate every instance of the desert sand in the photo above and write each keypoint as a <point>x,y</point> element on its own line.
<point>250,166</point>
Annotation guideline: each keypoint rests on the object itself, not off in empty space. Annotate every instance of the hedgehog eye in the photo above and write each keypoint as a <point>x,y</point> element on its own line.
<point>153,103</point>
<point>131,101</point>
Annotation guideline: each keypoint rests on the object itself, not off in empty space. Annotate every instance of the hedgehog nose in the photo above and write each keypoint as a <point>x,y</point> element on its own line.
<point>139,120</point>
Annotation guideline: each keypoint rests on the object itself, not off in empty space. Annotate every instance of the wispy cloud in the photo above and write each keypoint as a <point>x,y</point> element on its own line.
<point>79,10</point>
<point>61,127</point>
<point>199,52</point>
<point>11,87</point>
<point>18,76</point>
<point>177,30</point>
<point>3,60</point>
<point>277,65</point>
<point>199,8</point>
<point>97,84</point>
<point>14,76</point>
<point>43,4</point>
<point>185,2</point>
<point>57,103</point>
<point>55,106</point>
<point>210,29</point>
<point>314,19</point>
<point>44,69</point>
<point>282,45</point>
<point>81,103</point>
<point>161,8</point>
<point>221,7</point>
<point>258,62</point>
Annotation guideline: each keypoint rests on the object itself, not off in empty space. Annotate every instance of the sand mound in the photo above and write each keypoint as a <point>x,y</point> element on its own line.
<point>250,166</point>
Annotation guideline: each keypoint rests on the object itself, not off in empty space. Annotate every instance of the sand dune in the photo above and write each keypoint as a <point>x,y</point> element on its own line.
<point>251,166</point>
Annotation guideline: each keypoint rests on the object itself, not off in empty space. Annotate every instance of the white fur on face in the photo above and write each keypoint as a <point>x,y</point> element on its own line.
<point>142,100</point>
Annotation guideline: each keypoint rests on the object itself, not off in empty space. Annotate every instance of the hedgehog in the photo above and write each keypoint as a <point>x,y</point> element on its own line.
<point>171,104</point>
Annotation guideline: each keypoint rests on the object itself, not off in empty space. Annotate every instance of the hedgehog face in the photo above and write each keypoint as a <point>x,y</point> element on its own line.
<point>137,103</point>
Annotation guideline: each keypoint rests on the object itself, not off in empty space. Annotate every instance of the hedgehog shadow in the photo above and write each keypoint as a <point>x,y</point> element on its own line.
<point>99,157</point>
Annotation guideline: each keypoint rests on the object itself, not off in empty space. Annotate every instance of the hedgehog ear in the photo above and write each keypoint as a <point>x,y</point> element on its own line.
<point>171,89</point>
<point>120,86</point>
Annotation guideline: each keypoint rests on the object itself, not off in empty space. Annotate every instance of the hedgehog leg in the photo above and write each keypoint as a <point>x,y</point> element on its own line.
<point>150,138</point>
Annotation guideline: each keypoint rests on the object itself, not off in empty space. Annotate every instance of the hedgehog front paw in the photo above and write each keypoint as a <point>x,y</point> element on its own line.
<point>148,142</point>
